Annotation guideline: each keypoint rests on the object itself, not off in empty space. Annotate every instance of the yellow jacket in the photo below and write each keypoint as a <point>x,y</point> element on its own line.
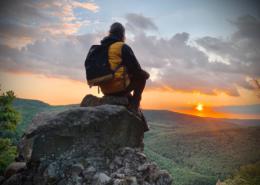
<point>121,79</point>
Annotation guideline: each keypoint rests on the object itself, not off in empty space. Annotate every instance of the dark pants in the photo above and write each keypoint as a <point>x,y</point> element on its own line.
<point>137,84</point>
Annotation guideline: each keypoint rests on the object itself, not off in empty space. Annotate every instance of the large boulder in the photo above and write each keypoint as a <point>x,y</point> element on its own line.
<point>80,131</point>
<point>99,145</point>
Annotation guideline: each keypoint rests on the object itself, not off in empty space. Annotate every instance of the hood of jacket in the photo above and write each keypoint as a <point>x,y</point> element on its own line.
<point>109,40</point>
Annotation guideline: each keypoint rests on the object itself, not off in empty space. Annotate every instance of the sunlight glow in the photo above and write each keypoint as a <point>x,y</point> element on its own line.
<point>199,107</point>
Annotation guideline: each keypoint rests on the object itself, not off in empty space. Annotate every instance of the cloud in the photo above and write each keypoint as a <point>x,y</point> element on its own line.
<point>208,65</point>
<point>242,50</point>
<point>29,20</point>
<point>139,23</point>
<point>86,5</point>
<point>54,56</point>
<point>248,27</point>
<point>180,66</point>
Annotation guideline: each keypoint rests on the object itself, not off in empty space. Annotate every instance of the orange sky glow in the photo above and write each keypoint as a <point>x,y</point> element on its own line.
<point>57,91</point>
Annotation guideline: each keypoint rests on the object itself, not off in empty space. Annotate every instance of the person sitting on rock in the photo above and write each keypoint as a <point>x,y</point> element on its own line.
<point>130,77</point>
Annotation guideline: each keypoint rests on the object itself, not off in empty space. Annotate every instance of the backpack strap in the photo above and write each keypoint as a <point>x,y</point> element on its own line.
<point>117,68</point>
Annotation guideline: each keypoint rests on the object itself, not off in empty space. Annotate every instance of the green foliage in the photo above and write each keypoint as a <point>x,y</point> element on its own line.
<point>9,119</point>
<point>181,174</point>
<point>247,175</point>
<point>7,153</point>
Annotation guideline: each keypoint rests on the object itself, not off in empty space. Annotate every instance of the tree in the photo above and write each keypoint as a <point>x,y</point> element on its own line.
<point>247,175</point>
<point>9,119</point>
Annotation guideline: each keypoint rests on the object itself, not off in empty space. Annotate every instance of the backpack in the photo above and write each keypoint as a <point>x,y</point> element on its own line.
<point>97,66</point>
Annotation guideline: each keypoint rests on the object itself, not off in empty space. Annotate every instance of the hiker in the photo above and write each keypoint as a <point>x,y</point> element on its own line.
<point>129,77</point>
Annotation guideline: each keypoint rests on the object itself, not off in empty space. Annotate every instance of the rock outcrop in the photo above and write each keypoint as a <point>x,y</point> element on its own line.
<point>99,145</point>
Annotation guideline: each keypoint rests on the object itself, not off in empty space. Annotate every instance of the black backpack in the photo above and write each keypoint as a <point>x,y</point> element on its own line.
<point>97,65</point>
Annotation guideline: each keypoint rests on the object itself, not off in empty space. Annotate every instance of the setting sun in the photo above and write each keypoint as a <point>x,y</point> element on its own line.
<point>199,107</point>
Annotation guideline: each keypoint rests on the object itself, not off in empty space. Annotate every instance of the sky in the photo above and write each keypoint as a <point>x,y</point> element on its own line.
<point>198,52</point>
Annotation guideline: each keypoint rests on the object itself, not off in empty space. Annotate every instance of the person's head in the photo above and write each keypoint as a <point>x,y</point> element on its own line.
<point>117,30</point>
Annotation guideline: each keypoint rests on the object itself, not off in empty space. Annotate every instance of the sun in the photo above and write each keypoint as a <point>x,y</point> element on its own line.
<point>199,107</point>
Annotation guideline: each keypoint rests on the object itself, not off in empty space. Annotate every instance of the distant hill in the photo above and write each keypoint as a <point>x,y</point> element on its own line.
<point>196,150</point>
<point>243,122</point>
<point>28,109</point>
<point>20,102</point>
<point>244,109</point>
<point>174,117</point>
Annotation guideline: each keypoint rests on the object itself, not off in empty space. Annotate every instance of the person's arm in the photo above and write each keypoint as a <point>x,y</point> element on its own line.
<point>132,65</point>
<point>129,60</point>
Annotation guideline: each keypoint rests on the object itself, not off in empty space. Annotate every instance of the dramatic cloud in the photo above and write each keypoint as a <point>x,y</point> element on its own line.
<point>180,66</point>
<point>209,65</point>
<point>42,37</point>
<point>39,37</point>
<point>54,56</point>
<point>25,21</point>
<point>242,51</point>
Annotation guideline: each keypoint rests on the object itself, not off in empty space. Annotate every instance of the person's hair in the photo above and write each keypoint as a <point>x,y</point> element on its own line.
<point>118,30</point>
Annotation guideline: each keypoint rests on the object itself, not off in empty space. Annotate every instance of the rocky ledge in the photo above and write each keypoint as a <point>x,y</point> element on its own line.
<point>99,145</point>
